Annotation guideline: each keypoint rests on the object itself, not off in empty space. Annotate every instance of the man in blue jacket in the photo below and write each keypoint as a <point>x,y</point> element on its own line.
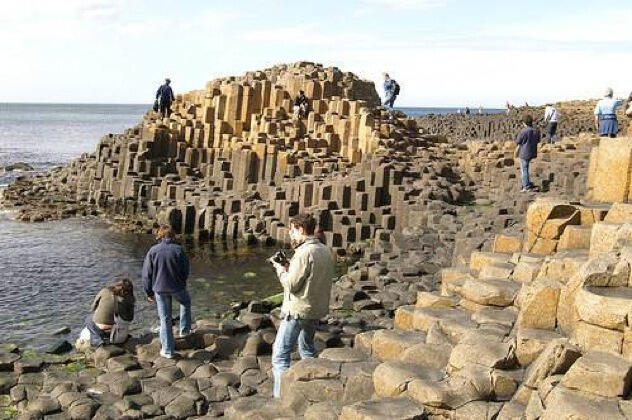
<point>166,97</point>
<point>527,140</point>
<point>165,273</point>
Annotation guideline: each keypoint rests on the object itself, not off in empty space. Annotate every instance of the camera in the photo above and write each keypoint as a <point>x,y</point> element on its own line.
<point>279,257</point>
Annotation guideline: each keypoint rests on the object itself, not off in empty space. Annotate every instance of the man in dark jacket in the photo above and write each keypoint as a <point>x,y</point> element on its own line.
<point>166,97</point>
<point>527,140</point>
<point>165,273</point>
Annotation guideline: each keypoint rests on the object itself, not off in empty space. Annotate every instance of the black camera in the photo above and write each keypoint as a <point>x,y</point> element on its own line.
<point>279,257</point>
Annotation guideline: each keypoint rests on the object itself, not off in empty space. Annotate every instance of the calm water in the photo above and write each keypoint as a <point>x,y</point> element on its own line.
<point>49,273</point>
<point>421,111</point>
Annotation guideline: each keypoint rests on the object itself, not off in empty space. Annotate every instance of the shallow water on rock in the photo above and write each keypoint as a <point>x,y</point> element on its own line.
<point>50,272</point>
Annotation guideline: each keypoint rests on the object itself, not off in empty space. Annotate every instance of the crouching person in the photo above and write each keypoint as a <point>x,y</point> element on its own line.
<point>112,312</point>
<point>306,282</point>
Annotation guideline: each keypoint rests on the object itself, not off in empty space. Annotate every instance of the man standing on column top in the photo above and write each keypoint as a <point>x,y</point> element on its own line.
<point>391,90</point>
<point>306,282</point>
<point>165,273</point>
<point>166,97</point>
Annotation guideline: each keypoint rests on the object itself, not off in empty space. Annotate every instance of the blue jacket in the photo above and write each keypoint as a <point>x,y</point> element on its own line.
<point>528,139</point>
<point>165,269</point>
<point>165,93</point>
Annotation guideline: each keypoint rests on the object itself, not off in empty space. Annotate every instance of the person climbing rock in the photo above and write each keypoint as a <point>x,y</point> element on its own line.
<point>165,97</point>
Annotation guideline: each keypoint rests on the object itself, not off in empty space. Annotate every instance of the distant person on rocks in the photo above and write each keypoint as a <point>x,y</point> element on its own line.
<point>606,115</point>
<point>391,91</point>
<point>306,282</point>
<point>480,110</point>
<point>165,96</point>
<point>527,141</point>
<point>165,273</point>
<point>467,110</point>
<point>112,311</point>
<point>551,118</point>
<point>301,105</point>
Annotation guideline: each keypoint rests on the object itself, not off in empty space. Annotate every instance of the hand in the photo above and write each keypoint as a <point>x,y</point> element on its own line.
<point>151,299</point>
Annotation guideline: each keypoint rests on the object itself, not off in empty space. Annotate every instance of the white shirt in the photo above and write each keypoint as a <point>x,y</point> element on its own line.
<point>551,114</point>
<point>607,106</point>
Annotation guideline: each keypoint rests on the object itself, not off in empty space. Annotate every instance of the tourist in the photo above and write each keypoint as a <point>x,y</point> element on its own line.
<point>551,118</point>
<point>301,105</point>
<point>606,115</point>
<point>165,273</point>
<point>111,312</point>
<point>527,149</point>
<point>467,110</point>
<point>391,90</point>
<point>306,282</point>
<point>480,110</point>
<point>166,97</point>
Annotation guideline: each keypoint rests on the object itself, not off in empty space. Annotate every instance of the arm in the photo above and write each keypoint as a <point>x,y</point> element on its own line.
<point>173,97</point>
<point>148,275</point>
<point>294,278</point>
<point>95,303</point>
<point>185,266</point>
<point>158,92</point>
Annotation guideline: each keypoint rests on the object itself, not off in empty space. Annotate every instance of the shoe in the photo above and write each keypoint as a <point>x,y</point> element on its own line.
<point>184,334</point>
<point>524,190</point>
<point>167,356</point>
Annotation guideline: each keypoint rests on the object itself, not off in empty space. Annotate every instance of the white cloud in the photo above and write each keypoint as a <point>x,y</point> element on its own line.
<point>308,35</point>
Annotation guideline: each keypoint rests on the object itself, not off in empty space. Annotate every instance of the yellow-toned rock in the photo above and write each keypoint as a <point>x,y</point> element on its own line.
<point>609,171</point>
<point>391,379</point>
<point>507,244</point>
<point>607,307</point>
<point>575,237</point>
<point>478,259</point>
<point>526,272</point>
<point>531,342</point>
<point>619,213</point>
<point>538,304</point>
<point>432,300</point>
<point>390,344</point>
<point>592,337</point>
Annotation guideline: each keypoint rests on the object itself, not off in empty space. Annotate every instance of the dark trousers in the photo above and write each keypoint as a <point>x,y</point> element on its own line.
<point>551,129</point>
<point>165,109</point>
<point>98,337</point>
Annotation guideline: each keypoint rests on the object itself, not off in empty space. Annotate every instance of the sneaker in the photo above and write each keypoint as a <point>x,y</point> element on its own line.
<point>167,355</point>
<point>184,334</point>
<point>524,190</point>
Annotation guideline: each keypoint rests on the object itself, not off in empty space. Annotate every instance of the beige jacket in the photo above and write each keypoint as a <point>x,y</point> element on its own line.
<point>307,282</point>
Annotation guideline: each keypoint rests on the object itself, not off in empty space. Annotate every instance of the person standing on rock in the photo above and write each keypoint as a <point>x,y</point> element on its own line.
<point>391,90</point>
<point>527,141</point>
<point>606,115</point>
<point>166,97</point>
<point>165,273</point>
<point>306,285</point>
<point>551,118</point>
<point>301,105</point>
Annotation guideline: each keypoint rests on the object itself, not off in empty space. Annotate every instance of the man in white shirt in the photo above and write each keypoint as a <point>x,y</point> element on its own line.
<point>606,115</point>
<point>551,118</point>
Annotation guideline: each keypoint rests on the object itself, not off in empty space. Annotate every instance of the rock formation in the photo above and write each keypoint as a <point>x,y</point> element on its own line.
<point>468,299</point>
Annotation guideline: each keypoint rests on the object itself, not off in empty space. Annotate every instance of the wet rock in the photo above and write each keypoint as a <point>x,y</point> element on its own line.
<point>59,347</point>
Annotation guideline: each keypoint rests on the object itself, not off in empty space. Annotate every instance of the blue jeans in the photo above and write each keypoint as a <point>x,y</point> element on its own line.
<point>388,102</point>
<point>524,164</point>
<point>289,332</point>
<point>98,337</point>
<point>163,303</point>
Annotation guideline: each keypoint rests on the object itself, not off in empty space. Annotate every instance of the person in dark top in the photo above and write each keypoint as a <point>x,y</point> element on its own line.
<point>166,97</point>
<point>467,110</point>
<point>301,105</point>
<point>116,300</point>
<point>527,141</point>
<point>165,273</point>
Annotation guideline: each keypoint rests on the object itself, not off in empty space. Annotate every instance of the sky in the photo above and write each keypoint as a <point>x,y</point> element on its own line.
<point>441,52</point>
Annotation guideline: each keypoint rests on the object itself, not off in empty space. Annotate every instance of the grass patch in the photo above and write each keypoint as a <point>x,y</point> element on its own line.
<point>274,300</point>
<point>74,367</point>
<point>10,412</point>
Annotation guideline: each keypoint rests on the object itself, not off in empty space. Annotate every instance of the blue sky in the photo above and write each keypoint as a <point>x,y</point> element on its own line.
<point>442,52</point>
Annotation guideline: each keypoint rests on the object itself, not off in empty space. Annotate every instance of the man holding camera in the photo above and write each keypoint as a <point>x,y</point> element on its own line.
<point>306,282</point>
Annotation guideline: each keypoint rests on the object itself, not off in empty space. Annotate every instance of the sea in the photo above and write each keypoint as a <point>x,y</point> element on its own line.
<point>50,272</point>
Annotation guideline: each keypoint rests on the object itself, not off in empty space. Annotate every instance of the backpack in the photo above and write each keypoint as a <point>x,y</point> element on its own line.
<point>396,90</point>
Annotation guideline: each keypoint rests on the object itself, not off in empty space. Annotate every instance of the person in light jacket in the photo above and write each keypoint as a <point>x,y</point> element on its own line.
<point>306,282</point>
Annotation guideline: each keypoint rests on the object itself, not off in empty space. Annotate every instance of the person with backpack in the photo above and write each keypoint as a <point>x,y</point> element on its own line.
<point>391,90</point>
<point>165,97</point>
<point>551,118</point>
